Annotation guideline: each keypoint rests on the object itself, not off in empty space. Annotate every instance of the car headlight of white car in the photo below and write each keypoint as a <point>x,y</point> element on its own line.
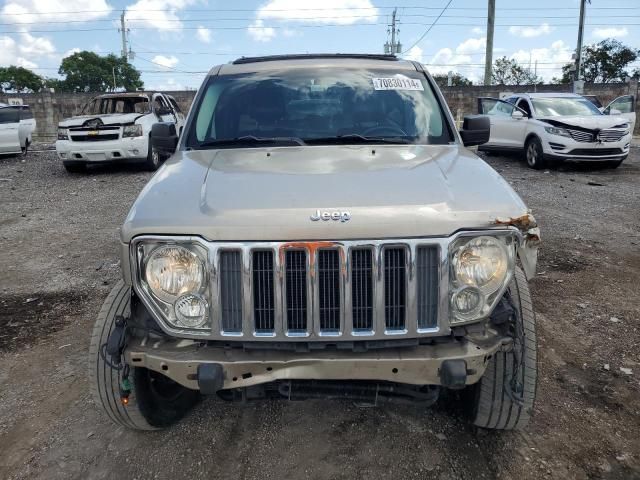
<point>63,133</point>
<point>481,269</point>
<point>132,130</point>
<point>557,131</point>
<point>173,277</point>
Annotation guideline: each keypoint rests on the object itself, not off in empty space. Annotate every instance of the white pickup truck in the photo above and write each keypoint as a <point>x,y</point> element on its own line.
<point>16,129</point>
<point>116,127</point>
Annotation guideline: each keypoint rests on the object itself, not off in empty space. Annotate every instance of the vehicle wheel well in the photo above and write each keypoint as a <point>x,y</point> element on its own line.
<point>529,137</point>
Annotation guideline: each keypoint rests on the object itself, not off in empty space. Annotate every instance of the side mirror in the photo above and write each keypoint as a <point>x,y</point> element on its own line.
<point>517,114</point>
<point>164,137</point>
<point>475,130</point>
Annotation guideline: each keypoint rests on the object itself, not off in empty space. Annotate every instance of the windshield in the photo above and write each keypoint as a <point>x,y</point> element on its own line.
<point>563,107</point>
<point>106,105</point>
<point>318,105</point>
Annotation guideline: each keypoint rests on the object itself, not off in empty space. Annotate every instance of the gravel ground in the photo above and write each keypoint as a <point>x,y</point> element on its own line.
<point>59,260</point>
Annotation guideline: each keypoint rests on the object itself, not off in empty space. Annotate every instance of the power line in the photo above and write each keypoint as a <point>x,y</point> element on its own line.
<point>430,27</point>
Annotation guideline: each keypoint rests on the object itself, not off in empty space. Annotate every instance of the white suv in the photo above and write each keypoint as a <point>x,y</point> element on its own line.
<point>559,126</point>
<point>16,129</point>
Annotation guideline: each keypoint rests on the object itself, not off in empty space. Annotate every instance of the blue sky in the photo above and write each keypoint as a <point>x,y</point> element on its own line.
<point>176,41</point>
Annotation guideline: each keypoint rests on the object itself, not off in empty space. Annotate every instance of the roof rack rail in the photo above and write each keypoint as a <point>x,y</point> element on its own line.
<point>299,56</point>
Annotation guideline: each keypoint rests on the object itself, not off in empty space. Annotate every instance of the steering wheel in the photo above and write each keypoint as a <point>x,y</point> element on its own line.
<point>385,131</point>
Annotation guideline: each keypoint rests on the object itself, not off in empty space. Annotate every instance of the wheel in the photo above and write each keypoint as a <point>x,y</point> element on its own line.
<point>75,167</point>
<point>153,159</point>
<point>155,401</point>
<point>534,153</point>
<point>503,398</point>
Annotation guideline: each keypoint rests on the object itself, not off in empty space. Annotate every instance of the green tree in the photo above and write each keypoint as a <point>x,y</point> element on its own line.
<point>603,62</point>
<point>457,80</point>
<point>89,72</point>
<point>507,71</point>
<point>19,79</point>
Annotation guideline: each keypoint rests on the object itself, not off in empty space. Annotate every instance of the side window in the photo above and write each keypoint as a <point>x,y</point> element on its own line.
<point>9,115</point>
<point>524,105</point>
<point>175,105</point>
<point>622,104</point>
<point>493,106</point>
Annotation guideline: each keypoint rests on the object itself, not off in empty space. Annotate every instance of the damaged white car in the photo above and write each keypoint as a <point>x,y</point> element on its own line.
<point>16,129</point>
<point>116,127</point>
<point>551,127</point>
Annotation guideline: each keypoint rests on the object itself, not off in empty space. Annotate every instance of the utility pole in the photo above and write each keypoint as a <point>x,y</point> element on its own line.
<point>488,56</point>
<point>123,30</point>
<point>393,47</point>
<point>583,4</point>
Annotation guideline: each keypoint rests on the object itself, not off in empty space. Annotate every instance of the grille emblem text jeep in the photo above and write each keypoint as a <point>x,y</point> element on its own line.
<point>326,215</point>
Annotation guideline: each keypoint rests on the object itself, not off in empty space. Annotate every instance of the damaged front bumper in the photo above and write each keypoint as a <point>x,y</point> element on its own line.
<point>452,363</point>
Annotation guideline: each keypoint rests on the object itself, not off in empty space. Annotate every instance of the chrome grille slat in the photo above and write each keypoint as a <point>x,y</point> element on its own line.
<point>231,297</point>
<point>580,136</point>
<point>362,289</point>
<point>296,290</point>
<point>394,287</point>
<point>427,259</point>
<point>328,269</point>
<point>263,291</point>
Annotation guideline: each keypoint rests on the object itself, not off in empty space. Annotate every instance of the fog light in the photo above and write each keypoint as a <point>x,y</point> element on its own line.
<point>191,311</point>
<point>467,301</point>
<point>135,151</point>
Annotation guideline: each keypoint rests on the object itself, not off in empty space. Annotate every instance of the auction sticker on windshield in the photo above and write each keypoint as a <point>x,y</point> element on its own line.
<point>397,83</point>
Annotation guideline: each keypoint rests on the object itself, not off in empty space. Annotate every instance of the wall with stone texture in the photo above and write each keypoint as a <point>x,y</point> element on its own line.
<point>51,108</point>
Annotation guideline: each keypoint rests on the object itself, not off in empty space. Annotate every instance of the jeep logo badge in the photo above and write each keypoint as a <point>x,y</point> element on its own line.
<point>335,215</point>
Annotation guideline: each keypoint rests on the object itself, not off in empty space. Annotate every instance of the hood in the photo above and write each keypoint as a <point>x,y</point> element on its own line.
<point>108,119</point>
<point>271,193</point>
<point>590,122</point>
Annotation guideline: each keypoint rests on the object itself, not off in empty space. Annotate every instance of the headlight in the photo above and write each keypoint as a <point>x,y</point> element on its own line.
<point>173,280</point>
<point>481,267</point>
<point>132,130</point>
<point>557,131</point>
<point>63,134</point>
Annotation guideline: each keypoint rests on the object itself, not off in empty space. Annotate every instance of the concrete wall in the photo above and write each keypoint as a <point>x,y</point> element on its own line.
<point>50,108</point>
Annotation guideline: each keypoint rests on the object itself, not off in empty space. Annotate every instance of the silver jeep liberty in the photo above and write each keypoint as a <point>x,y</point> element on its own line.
<point>321,231</point>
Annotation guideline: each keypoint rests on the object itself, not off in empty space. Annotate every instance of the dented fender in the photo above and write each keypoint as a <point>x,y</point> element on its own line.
<point>529,242</point>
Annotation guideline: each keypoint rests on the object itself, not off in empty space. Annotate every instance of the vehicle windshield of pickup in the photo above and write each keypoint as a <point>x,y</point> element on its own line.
<point>318,106</point>
<point>124,104</point>
<point>564,107</point>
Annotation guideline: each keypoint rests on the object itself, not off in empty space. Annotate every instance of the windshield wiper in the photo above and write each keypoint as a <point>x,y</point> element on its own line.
<point>356,138</point>
<point>249,140</point>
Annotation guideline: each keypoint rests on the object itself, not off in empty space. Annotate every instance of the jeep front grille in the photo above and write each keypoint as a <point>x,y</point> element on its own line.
<point>339,290</point>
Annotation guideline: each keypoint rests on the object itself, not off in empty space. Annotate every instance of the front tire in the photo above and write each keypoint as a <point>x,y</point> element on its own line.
<point>153,159</point>
<point>534,154</point>
<point>496,404</point>
<point>155,401</point>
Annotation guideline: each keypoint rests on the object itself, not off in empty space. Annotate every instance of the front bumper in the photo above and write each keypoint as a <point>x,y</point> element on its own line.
<point>562,148</point>
<point>419,365</point>
<point>103,151</point>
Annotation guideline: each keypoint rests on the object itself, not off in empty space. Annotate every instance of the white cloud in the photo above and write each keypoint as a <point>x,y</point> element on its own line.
<point>344,12</point>
<point>49,10</point>
<point>471,45</point>
<point>415,54</point>
<point>70,52</point>
<point>203,34</point>
<point>158,14</point>
<point>550,60</point>
<point>610,32</point>
<point>259,32</point>
<point>169,84</point>
<point>530,32</point>
<point>166,62</point>
<point>477,30</point>
<point>25,50</point>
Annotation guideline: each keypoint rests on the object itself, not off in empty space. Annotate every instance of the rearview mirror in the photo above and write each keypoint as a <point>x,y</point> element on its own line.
<point>164,138</point>
<point>475,130</point>
<point>517,114</point>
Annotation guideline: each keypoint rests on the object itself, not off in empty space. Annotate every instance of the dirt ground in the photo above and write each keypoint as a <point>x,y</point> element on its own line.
<point>58,260</point>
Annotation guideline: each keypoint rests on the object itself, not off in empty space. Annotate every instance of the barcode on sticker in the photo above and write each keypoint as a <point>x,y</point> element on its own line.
<point>397,83</point>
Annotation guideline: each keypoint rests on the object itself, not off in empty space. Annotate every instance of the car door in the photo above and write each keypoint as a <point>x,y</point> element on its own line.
<point>626,105</point>
<point>508,122</point>
<point>161,105</point>
<point>9,130</point>
<point>178,113</point>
